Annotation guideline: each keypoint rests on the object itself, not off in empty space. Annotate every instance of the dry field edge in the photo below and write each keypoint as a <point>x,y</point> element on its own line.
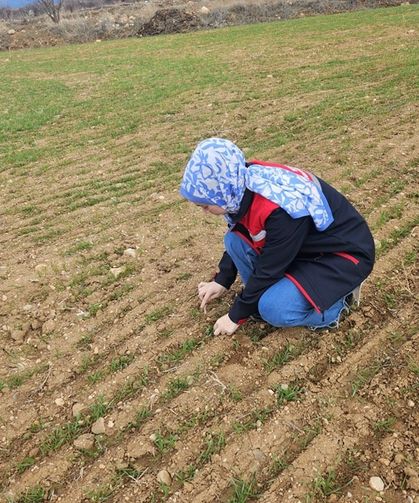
<point>100,258</point>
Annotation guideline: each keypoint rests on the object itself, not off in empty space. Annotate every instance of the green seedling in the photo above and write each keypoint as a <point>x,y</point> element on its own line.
<point>325,485</point>
<point>179,354</point>
<point>288,393</point>
<point>281,357</point>
<point>35,494</point>
<point>26,463</point>
<point>165,443</point>
<point>141,417</point>
<point>252,422</point>
<point>120,363</point>
<point>213,445</point>
<point>175,387</point>
<point>384,425</point>
<point>186,475</point>
<point>98,408</point>
<point>243,491</point>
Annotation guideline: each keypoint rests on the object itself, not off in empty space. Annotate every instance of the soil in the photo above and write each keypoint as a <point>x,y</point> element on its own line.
<point>86,325</point>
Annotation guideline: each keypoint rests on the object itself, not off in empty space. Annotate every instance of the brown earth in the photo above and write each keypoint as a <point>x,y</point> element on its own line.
<point>72,332</point>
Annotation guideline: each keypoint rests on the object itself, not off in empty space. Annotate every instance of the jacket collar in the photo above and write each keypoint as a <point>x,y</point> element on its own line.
<point>244,206</point>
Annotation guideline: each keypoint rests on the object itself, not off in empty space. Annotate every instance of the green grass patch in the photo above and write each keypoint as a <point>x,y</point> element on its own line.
<point>364,376</point>
<point>288,393</point>
<point>178,354</point>
<point>164,442</point>
<point>243,491</point>
<point>175,387</point>
<point>212,445</point>
<point>281,357</point>
<point>36,494</point>
<point>252,421</point>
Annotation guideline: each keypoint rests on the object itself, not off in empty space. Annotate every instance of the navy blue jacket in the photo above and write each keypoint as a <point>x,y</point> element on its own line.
<point>325,265</point>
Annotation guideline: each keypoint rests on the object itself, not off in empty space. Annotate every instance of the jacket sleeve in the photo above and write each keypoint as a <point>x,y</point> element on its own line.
<point>227,271</point>
<point>284,239</point>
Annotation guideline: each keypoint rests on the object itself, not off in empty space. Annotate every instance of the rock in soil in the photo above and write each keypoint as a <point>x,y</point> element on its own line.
<point>85,441</point>
<point>377,484</point>
<point>78,409</point>
<point>98,427</point>
<point>164,477</point>
<point>130,252</point>
<point>48,327</point>
<point>117,271</point>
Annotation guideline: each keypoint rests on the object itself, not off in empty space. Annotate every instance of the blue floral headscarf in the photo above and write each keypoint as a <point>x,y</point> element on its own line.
<point>216,174</point>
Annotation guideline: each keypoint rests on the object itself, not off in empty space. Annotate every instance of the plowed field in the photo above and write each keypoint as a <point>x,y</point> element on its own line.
<point>100,258</point>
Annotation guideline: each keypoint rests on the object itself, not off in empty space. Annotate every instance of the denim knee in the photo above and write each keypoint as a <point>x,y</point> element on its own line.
<point>270,312</point>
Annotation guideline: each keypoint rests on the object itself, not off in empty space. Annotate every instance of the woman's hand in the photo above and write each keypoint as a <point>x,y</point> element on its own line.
<point>225,326</point>
<point>209,291</point>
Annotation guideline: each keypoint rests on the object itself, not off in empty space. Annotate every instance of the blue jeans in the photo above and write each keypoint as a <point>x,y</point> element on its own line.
<point>282,304</point>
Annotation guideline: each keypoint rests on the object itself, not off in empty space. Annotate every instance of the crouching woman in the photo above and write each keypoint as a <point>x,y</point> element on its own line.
<point>301,249</point>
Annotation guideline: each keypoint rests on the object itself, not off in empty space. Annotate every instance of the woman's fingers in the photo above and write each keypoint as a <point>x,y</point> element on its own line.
<point>206,298</point>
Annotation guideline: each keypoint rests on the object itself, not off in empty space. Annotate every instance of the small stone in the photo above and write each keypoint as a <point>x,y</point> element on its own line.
<point>17,335</point>
<point>130,252</point>
<point>413,483</point>
<point>204,10</point>
<point>189,380</point>
<point>188,487</point>
<point>117,271</point>
<point>11,32</point>
<point>398,458</point>
<point>164,477</point>
<point>48,327</point>
<point>59,402</point>
<point>384,461</point>
<point>410,472</point>
<point>35,325</point>
<point>85,441</point>
<point>33,452</point>
<point>98,427</point>
<point>78,409</point>
<point>332,498</point>
<point>377,484</point>
<point>411,403</point>
<point>271,391</point>
<point>153,437</point>
<point>41,269</point>
<point>284,386</point>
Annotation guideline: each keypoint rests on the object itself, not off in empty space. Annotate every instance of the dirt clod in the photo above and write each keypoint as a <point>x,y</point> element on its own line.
<point>48,327</point>
<point>98,427</point>
<point>85,441</point>
<point>170,21</point>
<point>117,271</point>
<point>78,409</point>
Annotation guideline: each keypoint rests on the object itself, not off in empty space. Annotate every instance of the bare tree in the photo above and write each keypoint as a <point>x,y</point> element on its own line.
<point>52,8</point>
